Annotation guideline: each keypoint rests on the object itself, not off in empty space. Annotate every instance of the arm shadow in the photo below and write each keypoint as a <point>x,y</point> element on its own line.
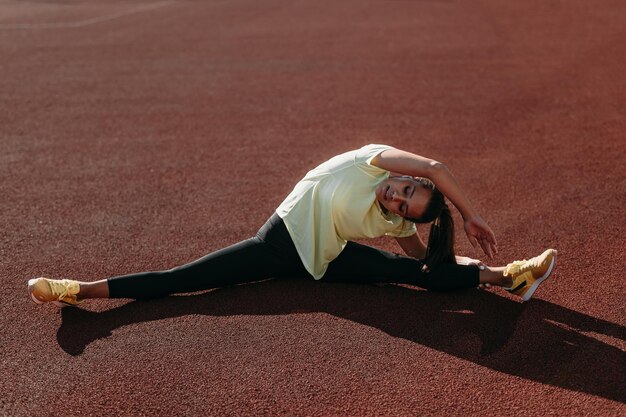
<point>538,340</point>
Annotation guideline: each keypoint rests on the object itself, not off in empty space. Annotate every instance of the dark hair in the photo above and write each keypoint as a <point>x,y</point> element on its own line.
<point>440,247</point>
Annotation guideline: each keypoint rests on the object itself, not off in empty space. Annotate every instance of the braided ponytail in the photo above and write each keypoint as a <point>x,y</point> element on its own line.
<point>440,247</point>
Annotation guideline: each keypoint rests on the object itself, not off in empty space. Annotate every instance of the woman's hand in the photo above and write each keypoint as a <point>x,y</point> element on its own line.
<point>479,233</point>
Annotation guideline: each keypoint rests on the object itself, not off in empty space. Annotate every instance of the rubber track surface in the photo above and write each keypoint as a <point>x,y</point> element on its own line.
<point>138,135</point>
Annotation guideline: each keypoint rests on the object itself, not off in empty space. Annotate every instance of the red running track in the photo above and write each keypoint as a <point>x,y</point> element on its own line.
<point>141,135</point>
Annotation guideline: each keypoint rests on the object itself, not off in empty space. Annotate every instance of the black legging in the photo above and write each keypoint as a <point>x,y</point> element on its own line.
<point>271,253</point>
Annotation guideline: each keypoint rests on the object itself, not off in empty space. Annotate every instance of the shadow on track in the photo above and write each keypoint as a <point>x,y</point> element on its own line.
<point>539,341</point>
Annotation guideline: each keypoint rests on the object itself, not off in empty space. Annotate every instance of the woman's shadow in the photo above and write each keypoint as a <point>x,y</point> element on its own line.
<point>539,341</point>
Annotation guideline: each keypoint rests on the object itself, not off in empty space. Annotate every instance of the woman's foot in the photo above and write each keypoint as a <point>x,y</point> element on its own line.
<point>61,292</point>
<point>528,274</point>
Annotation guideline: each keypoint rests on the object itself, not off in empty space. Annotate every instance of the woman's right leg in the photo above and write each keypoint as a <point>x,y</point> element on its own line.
<point>269,254</point>
<point>247,261</point>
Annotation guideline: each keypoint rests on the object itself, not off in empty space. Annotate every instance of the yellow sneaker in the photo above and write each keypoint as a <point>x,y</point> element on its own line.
<point>59,291</point>
<point>528,274</point>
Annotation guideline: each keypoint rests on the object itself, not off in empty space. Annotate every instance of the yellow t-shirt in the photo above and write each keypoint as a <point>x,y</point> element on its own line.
<point>336,202</point>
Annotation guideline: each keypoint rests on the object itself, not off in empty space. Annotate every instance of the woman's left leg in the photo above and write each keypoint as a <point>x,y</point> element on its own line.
<point>361,263</point>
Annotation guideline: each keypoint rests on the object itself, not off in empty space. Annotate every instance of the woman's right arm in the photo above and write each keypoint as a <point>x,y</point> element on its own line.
<point>406,163</point>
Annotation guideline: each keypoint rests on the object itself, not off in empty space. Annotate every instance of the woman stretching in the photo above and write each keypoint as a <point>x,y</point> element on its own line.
<point>367,193</point>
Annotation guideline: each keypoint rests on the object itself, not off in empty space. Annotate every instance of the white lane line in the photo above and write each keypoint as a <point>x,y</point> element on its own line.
<point>86,22</point>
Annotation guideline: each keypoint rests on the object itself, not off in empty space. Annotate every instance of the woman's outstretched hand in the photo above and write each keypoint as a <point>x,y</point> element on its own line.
<point>479,233</point>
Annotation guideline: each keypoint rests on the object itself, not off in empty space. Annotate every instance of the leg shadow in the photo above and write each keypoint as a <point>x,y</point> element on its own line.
<point>538,340</point>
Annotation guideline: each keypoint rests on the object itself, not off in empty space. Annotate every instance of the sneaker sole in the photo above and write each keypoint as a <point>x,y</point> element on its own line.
<point>545,276</point>
<point>31,283</point>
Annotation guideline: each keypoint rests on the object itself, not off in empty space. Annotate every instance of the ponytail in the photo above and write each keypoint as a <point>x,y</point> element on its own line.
<point>440,247</point>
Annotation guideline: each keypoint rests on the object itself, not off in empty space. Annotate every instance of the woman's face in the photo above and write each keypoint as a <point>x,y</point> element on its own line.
<point>403,196</point>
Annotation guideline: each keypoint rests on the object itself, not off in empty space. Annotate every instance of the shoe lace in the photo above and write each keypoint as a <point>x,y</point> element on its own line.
<point>519,267</point>
<point>516,267</point>
<point>60,289</point>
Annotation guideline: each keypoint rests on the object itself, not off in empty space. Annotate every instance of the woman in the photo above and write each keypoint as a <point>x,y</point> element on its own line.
<point>367,193</point>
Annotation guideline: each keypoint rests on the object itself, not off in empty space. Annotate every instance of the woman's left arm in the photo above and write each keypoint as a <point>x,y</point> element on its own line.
<point>413,246</point>
<point>406,163</point>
